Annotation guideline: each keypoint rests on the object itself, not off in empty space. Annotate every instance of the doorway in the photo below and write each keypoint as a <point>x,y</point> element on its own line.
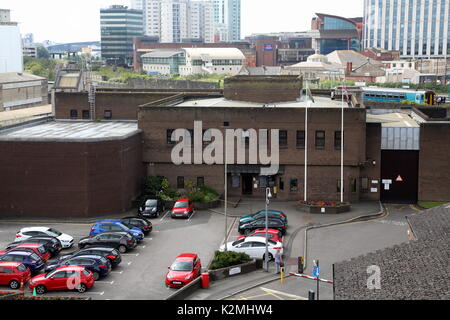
<point>247,184</point>
<point>399,176</point>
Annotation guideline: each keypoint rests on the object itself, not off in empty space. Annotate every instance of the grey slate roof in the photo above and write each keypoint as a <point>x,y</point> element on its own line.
<point>417,270</point>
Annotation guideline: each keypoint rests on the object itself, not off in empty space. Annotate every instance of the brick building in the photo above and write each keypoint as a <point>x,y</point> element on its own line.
<point>22,90</point>
<point>268,112</point>
<point>70,169</point>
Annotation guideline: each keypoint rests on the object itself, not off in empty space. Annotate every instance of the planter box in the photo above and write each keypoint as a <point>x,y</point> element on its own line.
<point>324,209</point>
<point>223,273</point>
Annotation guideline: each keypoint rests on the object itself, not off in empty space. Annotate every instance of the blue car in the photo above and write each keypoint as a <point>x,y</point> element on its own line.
<point>262,213</point>
<point>115,225</point>
<point>98,265</point>
<point>29,259</point>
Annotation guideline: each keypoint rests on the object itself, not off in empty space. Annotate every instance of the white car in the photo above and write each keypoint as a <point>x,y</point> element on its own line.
<point>255,247</point>
<point>25,233</point>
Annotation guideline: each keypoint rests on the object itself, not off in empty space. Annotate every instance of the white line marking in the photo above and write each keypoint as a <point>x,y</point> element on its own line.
<point>119,272</point>
<point>165,215</point>
<point>99,293</point>
<point>130,254</point>
<point>108,282</point>
<point>191,216</point>
<point>130,262</point>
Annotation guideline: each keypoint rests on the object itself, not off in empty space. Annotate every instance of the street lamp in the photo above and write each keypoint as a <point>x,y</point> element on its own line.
<point>266,256</point>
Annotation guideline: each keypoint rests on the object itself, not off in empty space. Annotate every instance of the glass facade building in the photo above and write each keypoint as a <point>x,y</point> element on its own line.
<point>119,25</point>
<point>416,28</point>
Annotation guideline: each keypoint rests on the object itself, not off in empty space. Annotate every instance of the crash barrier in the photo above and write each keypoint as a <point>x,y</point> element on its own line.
<point>187,290</point>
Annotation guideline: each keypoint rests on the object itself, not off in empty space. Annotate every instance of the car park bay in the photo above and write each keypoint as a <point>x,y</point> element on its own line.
<point>142,271</point>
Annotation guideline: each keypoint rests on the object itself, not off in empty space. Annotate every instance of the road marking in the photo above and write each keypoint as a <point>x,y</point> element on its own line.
<point>99,293</point>
<point>143,247</point>
<point>191,216</point>
<point>108,282</point>
<point>414,208</point>
<point>130,262</point>
<point>130,254</point>
<point>275,292</point>
<point>119,272</point>
<point>165,215</point>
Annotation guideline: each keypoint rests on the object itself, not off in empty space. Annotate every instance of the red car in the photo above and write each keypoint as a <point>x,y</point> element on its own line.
<point>12,274</point>
<point>184,269</point>
<point>37,248</point>
<point>183,208</point>
<point>63,278</point>
<point>273,234</point>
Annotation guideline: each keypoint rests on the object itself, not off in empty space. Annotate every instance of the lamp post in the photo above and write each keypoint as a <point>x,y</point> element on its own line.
<point>266,256</point>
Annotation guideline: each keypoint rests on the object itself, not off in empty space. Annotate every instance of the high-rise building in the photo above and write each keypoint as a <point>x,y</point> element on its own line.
<point>119,25</point>
<point>174,20</point>
<point>11,44</point>
<point>416,28</point>
<point>233,19</point>
<point>201,21</point>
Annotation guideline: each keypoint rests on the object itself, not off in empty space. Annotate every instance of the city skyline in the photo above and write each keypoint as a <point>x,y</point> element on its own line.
<point>81,22</point>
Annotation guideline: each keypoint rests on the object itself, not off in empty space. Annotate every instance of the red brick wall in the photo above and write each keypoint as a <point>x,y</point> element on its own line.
<point>434,162</point>
<point>69,179</point>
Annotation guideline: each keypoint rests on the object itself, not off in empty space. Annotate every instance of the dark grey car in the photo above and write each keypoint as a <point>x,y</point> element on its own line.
<point>122,241</point>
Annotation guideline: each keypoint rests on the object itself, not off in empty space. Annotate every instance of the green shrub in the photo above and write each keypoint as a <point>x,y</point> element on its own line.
<point>202,194</point>
<point>228,259</point>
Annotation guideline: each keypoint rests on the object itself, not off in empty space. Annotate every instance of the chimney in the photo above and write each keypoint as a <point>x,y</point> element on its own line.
<point>349,68</point>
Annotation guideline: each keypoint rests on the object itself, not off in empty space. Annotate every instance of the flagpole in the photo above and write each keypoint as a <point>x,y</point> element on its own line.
<point>306,143</point>
<point>342,144</point>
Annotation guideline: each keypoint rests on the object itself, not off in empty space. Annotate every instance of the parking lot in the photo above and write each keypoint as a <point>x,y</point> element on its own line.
<point>142,271</point>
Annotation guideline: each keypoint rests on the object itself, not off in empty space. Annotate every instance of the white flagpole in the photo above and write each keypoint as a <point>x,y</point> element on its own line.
<point>342,145</point>
<point>226,192</point>
<point>306,144</point>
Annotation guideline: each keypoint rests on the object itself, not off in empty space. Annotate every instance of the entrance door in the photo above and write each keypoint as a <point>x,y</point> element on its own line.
<point>247,184</point>
<point>400,168</point>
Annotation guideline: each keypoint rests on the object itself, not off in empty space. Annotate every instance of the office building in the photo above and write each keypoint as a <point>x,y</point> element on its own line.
<point>119,25</point>
<point>11,44</point>
<point>416,28</point>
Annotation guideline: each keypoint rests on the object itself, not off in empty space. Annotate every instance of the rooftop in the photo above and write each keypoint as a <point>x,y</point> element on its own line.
<point>320,102</point>
<point>416,270</point>
<point>393,120</point>
<point>71,131</point>
<point>8,77</point>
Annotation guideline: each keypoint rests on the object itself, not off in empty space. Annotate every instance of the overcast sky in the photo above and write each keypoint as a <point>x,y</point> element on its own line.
<point>79,20</point>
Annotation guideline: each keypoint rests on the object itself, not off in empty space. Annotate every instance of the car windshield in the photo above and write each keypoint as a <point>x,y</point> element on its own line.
<point>127,225</point>
<point>34,256</point>
<point>51,273</point>
<point>21,268</point>
<point>53,232</point>
<point>182,204</point>
<point>151,203</point>
<point>181,266</point>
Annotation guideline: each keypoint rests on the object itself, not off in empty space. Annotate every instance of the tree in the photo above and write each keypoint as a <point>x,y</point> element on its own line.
<point>42,52</point>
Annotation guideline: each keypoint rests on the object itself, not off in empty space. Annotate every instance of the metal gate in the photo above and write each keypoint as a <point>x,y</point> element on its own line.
<point>399,176</point>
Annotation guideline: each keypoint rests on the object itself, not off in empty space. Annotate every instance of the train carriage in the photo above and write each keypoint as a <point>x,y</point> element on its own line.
<point>398,95</point>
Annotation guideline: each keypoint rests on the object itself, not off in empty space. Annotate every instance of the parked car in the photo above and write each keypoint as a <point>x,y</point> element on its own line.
<point>121,241</point>
<point>63,278</point>
<point>52,244</point>
<point>115,225</point>
<point>151,208</point>
<point>141,223</point>
<point>262,214</point>
<point>183,208</point>
<point>255,247</point>
<point>111,254</point>
<point>29,259</point>
<point>37,248</point>
<point>12,274</point>
<point>98,265</point>
<point>184,269</point>
<point>272,234</point>
<point>26,233</point>
<point>273,223</point>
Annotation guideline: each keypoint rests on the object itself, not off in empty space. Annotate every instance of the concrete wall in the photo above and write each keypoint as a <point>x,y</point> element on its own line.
<point>69,179</point>
<point>370,171</point>
<point>17,97</point>
<point>434,162</point>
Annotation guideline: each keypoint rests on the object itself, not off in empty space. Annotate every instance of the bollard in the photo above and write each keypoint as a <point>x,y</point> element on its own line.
<point>300,265</point>
<point>282,275</point>
<point>311,295</point>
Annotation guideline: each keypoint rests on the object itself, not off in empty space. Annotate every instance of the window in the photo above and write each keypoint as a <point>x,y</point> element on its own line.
<point>180,182</point>
<point>353,186</point>
<point>86,114</point>
<point>200,181</point>
<point>320,139</point>
<point>169,136</point>
<point>73,114</point>
<point>337,140</point>
<point>281,183</point>
<point>283,139</point>
<point>301,139</point>
<point>293,185</point>
<point>108,114</point>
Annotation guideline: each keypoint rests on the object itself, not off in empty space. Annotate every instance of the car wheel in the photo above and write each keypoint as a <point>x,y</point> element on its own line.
<point>40,289</point>
<point>122,249</point>
<point>14,284</point>
<point>96,275</point>
<point>82,288</point>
